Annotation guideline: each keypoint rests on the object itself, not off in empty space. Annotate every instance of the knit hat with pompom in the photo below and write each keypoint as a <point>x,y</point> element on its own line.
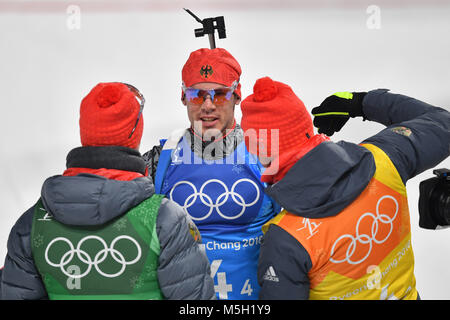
<point>108,115</point>
<point>282,126</point>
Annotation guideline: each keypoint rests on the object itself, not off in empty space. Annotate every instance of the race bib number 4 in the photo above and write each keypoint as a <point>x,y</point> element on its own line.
<point>223,288</point>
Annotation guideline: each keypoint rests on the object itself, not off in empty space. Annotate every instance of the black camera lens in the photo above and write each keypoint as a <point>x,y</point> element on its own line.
<point>440,202</point>
<point>434,200</point>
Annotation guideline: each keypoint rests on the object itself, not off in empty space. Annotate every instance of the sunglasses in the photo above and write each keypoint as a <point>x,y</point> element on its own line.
<point>140,98</point>
<point>219,97</point>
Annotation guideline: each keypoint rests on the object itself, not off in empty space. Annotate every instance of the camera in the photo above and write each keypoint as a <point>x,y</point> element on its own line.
<point>434,201</point>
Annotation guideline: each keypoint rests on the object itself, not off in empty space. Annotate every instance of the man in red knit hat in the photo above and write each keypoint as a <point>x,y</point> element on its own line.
<point>208,171</point>
<point>99,231</point>
<point>345,231</point>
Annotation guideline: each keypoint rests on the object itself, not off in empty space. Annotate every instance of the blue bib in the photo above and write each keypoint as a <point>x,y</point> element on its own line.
<point>226,200</point>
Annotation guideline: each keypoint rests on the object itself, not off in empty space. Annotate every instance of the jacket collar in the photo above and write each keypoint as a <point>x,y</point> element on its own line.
<point>108,157</point>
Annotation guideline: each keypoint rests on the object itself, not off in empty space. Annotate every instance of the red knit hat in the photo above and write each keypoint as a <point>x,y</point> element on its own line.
<point>108,115</point>
<point>274,106</point>
<point>212,65</point>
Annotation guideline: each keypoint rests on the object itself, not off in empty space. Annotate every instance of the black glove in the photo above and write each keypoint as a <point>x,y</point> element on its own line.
<point>335,111</point>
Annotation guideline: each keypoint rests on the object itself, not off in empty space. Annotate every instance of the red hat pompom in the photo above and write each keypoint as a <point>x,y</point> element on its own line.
<point>109,95</point>
<point>264,89</point>
<point>108,115</point>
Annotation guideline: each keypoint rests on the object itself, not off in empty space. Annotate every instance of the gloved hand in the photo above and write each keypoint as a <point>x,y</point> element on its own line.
<point>335,111</point>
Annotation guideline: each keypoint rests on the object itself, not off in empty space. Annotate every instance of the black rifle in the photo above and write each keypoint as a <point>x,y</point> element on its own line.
<point>209,25</point>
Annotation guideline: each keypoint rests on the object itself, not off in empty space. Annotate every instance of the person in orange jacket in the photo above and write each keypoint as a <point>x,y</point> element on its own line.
<point>345,229</point>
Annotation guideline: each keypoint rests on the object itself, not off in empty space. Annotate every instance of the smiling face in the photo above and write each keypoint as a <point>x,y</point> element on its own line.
<point>208,116</point>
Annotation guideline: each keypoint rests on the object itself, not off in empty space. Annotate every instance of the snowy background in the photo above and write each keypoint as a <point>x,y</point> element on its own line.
<point>52,54</point>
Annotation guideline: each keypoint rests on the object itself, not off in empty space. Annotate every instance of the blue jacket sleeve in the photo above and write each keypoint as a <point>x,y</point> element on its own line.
<point>283,267</point>
<point>417,136</point>
<point>20,279</point>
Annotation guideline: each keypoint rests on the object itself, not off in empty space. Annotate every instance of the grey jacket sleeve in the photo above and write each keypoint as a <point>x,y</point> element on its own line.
<point>151,159</point>
<point>20,279</point>
<point>283,267</point>
<point>417,136</point>
<point>184,270</point>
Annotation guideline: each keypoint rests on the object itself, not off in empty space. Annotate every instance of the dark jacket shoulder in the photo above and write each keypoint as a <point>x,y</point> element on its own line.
<point>315,188</point>
<point>20,279</point>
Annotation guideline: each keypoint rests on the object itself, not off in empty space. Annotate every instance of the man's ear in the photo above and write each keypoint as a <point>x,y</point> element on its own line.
<point>238,100</point>
<point>183,100</point>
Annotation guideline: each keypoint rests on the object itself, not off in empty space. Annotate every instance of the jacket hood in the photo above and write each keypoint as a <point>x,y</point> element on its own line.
<point>324,181</point>
<point>88,200</point>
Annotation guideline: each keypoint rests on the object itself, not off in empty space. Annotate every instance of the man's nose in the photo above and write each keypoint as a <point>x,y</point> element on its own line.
<point>207,104</point>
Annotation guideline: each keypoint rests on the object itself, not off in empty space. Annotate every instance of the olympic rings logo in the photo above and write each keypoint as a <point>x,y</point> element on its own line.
<point>84,257</point>
<point>221,199</point>
<point>365,238</point>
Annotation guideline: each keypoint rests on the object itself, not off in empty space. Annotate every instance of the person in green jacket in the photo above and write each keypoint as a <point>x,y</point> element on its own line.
<point>99,231</point>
